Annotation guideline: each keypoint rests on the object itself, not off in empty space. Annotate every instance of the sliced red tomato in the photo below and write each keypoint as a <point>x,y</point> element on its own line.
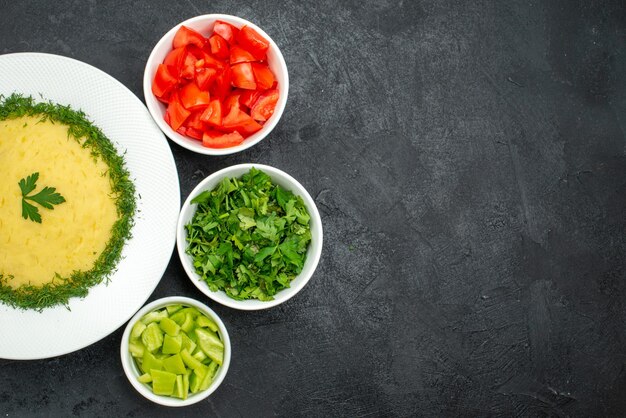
<point>165,98</point>
<point>190,132</point>
<point>176,113</point>
<point>176,58</point>
<point>243,76</point>
<point>219,46</point>
<point>192,97</point>
<point>221,86</point>
<point>215,139</point>
<point>204,77</point>
<point>248,127</point>
<point>209,60</point>
<point>164,81</point>
<point>212,115</point>
<point>231,117</point>
<point>240,121</point>
<point>186,36</point>
<point>194,121</point>
<point>250,40</point>
<point>199,53</point>
<point>188,69</point>
<point>263,109</point>
<point>226,31</point>
<point>194,133</point>
<point>238,54</point>
<point>218,89</point>
<point>231,101</point>
<point>263,76</point>
<point>249,97</point>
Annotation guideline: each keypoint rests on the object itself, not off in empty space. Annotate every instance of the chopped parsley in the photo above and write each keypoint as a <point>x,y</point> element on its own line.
<point>248,236</point>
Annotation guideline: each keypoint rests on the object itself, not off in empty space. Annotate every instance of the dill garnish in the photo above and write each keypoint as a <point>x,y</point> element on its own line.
<point>61,289</point>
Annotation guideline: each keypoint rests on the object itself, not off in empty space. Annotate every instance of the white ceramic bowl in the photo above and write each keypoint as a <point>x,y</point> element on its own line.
<point>133,372</point>
<point>204,25</point>
<point>313,253</point>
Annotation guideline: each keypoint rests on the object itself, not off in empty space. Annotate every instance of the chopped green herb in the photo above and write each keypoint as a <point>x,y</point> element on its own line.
<point>248,236</point>
<point>47,197</point>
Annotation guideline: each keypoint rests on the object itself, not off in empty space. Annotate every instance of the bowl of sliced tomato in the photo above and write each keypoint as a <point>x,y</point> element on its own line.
<point>216,84</point>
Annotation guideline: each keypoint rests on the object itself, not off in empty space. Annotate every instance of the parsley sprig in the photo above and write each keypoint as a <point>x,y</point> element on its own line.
<point>47,197</point>
<point>248,236</point>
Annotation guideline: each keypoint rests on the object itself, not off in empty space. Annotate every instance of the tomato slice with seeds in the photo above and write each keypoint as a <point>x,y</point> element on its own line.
<point>243,76</point>
<point>187,36</point>
<point>263,109</point>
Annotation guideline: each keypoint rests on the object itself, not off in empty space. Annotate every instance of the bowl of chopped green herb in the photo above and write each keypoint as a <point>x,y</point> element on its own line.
<point>249,236</point>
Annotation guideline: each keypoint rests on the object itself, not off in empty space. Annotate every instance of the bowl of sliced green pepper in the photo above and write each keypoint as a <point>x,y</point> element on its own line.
<point>175,351</point>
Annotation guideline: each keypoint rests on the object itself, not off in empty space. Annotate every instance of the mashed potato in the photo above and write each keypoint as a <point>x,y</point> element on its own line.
<point>74,234</point>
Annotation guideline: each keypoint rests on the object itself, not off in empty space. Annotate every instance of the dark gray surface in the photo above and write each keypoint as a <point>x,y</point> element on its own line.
<point>468,160</point>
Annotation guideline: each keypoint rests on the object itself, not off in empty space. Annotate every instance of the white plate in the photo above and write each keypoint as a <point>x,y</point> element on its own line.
<point>126,122</point>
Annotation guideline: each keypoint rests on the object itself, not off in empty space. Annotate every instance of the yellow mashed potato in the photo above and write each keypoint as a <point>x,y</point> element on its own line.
<point>74,234</point>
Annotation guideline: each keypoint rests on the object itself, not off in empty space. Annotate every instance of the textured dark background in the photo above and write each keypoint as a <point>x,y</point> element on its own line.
<point>468,159</point>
